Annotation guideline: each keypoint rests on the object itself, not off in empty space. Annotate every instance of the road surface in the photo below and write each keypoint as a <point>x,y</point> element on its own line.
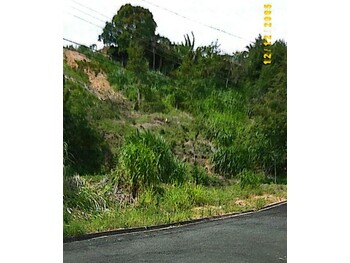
<point>256,237</point>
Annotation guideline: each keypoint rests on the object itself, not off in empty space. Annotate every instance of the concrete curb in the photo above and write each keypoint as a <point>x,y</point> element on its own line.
<point>167,226</point>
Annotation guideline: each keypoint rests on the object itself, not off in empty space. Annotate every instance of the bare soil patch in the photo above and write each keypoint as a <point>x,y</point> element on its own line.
<point>99,84</point>
<point>73,56</point>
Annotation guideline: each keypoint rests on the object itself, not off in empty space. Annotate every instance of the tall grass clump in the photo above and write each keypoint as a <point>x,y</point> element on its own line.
<point>201,177</point>
<point>230,161</point>
<point>145,160</point>
<point>248,178</point>
<point>78,194</point>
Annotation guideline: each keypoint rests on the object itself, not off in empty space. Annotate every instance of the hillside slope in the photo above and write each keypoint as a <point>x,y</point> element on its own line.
<point>175,125</point>
<point>143,147</point>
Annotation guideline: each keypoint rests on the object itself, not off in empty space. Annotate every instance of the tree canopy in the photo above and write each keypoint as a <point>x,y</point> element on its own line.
<point>131,24</point>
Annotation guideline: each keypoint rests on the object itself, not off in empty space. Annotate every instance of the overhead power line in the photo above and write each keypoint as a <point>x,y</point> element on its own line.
<point>79,44</point>
<point>100,27</point>
<point>85,20</point>
<point>169,57</point>
<point>93,10</point>
<point>175,13</point>
<point>88,14</point>
<point>198,22</point>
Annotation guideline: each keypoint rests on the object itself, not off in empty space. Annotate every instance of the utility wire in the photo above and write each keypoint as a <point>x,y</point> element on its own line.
<point>88,14</point>
<point>102,27</point>
<point>79,44</point>
<point>161,55</point>
<point>85,20</point>
<point>91,9</point>
<point>198,22</point>
<point>168,56</point>
<point>134,38</point>
<point>177,14</point>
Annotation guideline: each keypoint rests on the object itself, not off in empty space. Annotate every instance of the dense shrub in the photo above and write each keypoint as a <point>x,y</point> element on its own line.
<point>78,194</point>
<point>201,177</point>
<point>86,148</point>
<point>248,178</point>
<point>230,161</point>
<point>146,160</point>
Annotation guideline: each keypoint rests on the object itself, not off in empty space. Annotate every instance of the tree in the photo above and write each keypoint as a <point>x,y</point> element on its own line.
<point>108,36</point>
<point>163,56</point>
<point>254,58</point>
<point>131,25</point>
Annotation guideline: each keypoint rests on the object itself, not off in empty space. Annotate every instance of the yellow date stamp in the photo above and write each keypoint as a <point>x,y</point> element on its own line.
<point>267,33</point>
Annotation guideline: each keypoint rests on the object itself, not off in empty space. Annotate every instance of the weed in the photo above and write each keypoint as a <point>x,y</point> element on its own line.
<point>78,194</point>
<point>260,203</point>
<point>145,161</point>
<point>249,178</point>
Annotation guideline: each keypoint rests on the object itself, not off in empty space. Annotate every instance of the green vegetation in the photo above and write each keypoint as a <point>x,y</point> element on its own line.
<point>145,161</point>
<point>158,132</point>
<point>166,204</point>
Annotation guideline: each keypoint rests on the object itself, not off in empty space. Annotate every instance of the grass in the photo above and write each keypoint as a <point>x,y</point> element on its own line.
<point>95,203</point>
<point>173,204</point>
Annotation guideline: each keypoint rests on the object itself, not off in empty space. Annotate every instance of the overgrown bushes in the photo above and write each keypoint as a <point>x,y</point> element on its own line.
<point>248,178</point>
<point>146,160</point>
<point>230,161</point>
<point>79,195</point>
<point>87,149</point>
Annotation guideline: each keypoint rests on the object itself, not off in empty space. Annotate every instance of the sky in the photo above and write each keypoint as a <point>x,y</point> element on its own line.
<point>243,20</point>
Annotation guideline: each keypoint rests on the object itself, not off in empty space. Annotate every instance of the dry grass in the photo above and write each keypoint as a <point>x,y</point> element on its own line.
<point>73,56</point>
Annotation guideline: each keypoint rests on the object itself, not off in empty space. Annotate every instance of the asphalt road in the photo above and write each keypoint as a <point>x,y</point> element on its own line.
<point>256,237</point>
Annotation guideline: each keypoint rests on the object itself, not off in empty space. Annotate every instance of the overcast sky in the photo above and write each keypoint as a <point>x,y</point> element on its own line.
<point>83,20</point>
